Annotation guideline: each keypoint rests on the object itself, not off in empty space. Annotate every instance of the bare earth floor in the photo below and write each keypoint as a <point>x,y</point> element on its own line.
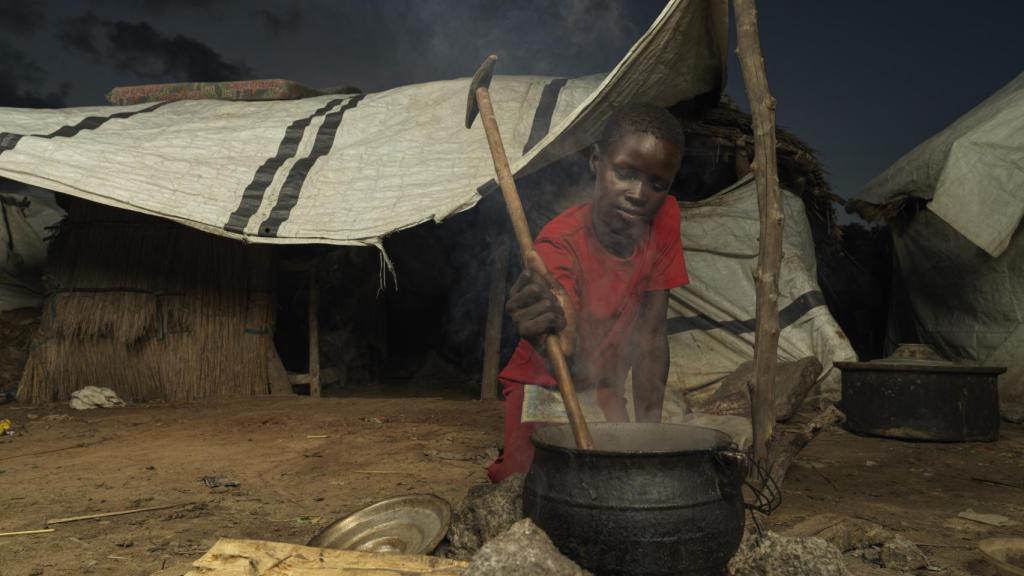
<point>301,463</point>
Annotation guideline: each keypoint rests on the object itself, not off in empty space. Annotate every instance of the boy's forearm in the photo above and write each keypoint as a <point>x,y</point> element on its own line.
<point>650,373</point>
<point>650,364</point>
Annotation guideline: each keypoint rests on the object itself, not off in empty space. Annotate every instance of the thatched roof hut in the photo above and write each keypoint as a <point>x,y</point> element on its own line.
<point>151,309</point>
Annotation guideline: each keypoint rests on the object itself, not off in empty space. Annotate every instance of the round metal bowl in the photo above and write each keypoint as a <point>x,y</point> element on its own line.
<point>413,524</point>
<point>1006,554</point>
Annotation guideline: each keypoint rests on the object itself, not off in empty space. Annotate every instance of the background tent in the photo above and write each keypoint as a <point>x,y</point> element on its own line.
<point>711,320</point>
<point>955,204</point>
<point>26,218</point>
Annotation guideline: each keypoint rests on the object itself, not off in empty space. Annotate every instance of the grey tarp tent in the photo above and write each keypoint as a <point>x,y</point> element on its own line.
<point>961,258</point>
<point>711,320</point>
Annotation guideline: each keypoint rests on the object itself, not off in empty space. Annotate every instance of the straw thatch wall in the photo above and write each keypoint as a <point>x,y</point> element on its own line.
<point>152,309</point>
<point>16,329</point>
<point>800,170</point>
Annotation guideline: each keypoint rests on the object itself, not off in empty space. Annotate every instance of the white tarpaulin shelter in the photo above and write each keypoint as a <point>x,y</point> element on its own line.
<point>961,260</point>
<point>711,320</point>
<point>345,169</point>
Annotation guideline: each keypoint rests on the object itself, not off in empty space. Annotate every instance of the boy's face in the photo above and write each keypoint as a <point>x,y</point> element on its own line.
<point>632,179</point>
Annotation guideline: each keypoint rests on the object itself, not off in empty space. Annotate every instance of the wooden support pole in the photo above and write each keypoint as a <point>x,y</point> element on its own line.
<point>314,335</point>
<point>769,261</point>
<point>500,251</point>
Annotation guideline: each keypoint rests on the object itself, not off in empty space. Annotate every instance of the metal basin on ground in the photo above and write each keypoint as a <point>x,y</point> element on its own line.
<point>652,499</point>
<point>413,524</point>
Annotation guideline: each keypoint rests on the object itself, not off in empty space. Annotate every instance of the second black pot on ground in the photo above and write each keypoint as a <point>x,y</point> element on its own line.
<point>916,395</point>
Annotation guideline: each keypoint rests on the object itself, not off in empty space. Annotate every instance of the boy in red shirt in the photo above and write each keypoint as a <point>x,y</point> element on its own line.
<point>611,261</point>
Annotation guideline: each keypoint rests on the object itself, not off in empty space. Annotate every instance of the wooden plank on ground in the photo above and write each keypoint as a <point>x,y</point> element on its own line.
<point>231,557</point>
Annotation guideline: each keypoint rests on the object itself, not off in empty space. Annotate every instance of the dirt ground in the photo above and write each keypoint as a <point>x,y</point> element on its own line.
<point>301,463</point>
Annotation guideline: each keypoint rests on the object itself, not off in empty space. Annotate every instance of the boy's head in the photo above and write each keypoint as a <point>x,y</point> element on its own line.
<point>644,118</point>
<point>634,162</point>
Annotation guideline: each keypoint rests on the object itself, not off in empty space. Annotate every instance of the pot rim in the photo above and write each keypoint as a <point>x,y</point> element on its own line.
<point>893,367</point>
<point>723,443</point>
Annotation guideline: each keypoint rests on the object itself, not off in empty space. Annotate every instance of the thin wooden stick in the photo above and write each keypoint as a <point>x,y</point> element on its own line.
<point>27,532</point>
<point>109,514</point>
<point>769,260</point>
<point>521,230</point>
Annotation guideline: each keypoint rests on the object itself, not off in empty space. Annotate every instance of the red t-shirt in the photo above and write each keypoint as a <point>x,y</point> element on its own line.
<point>606,290</point>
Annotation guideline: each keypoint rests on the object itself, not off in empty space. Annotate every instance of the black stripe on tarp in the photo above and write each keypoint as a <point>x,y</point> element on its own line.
<point>292,186</point>
<point>9,140</point>
<point>252,196</point>
<point>545,111</point>
<point>787,316</point>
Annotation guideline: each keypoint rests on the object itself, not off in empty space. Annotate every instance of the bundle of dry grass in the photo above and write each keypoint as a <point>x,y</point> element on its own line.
<point>152,309</point>
<point>16,329</point>
<point>800,170</point>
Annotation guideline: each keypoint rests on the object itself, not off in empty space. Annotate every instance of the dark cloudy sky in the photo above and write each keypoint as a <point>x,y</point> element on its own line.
<point>862,81</point>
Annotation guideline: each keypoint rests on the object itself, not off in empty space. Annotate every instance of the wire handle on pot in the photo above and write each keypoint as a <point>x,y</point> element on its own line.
<point>756,477</point>
<point>767,492</point>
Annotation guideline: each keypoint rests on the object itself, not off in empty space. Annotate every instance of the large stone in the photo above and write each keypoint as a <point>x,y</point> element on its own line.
<point>858,567</point>
<point>487,511</point>
<point>846,534</point>
<point>902,554</point>
<point>864,540</point>
<point>774,555</point>
<point>522,550</point>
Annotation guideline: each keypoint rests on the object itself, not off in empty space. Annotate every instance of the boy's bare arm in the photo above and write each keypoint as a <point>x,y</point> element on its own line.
<point>650,357</point>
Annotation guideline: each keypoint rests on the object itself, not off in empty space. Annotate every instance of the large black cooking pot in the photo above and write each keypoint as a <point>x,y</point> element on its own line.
<point>651,499</point>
